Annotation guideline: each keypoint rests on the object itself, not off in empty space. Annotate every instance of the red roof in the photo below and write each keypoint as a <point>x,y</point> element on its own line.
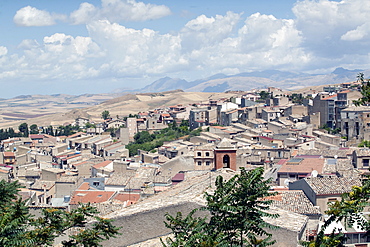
<point>91,196</point>
<point>127,197</point>
<point>305,166</point>
<point>102,164</point>
<point>282,161</point>
<point>76,134</point>
<point>9,154</point>
<point>33,136</point>
<point>330,97</point>
<point>80,163</point>
<point>346,91</point>
<point>73,156</point>
<point>84,186</point>
<point>266,138</point>
<point>178,177</point>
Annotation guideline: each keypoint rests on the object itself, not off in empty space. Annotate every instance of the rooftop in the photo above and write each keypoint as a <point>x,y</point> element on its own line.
<point>225,143</point>
<point>294,201</point>
<point>91,196</point>
<point>305,166</point>
<point>102,164</point>
<point>333,185</point>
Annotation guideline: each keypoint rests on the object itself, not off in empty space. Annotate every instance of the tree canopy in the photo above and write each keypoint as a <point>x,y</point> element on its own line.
<point>146,141</point>
<point>23,128</point>
<point>236,210</point>
<point>105,115</point>
<point>365,91</point>
<point>19,228</point>
<point>34,129</point>
<point>348,210</point>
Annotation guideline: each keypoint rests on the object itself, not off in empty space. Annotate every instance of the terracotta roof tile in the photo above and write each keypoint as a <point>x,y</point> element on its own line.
<point>295,201</point>
<point>305,166</point>
<point>102,164</point>
<point>127,197</point>
<point>332,185</point>
<point>84,186</point>
<point>9,154</point>
<point>91,196</point>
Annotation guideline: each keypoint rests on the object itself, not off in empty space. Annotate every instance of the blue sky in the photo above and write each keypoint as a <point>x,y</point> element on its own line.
<point>77,47</point>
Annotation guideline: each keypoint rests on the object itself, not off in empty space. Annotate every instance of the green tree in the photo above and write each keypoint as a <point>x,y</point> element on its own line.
<point>19,228</point>
<point>90,125</point>
<point>296,98</point>
<point>364,143</point>
<point>191,231</point>
<point>23,128</point>
<point>236,214</point>
<point>264,95</point>
<point>143,136</point>
<point>349,211</point>
<point>34,129</point>
<point>105,115</point>
<point>365,91</point>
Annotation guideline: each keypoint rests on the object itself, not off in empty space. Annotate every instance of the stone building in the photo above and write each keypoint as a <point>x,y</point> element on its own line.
<point>225,155</point>
<point>355,123</point>
<point>204,157</point>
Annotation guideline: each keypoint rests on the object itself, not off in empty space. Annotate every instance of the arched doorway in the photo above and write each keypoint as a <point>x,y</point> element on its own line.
<point>226,161</point>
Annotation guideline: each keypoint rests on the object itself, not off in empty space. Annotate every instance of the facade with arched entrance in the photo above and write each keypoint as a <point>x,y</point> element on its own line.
<point>225,155</point>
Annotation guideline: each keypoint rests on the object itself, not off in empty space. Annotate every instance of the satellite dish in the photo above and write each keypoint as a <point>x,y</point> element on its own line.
<point>286,182</point>
<point>335,156</point>
<point>314,173</point>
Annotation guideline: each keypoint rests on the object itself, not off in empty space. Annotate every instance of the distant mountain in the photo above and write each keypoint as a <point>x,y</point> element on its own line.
<point>250,80</point>
<point>275,75</point>
<point>346,72</point>
<point>165,84</point>
<point>233,83</point>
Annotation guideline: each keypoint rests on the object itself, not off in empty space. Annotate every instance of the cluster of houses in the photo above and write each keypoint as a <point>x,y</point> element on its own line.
<point>308,167</point>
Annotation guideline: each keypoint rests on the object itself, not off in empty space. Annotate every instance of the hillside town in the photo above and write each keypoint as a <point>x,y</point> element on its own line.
<point>307,143</point>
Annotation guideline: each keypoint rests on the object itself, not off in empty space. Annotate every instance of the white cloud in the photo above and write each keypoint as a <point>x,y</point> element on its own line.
<point>30,16</point>
<point>359,33</point>
<point>207,31</point>
<point>327,26</point>
<point>324,34</point>
<point>83,14</point>
<point>119,10</point>
<point>136,52</point>
<point>3,51</point>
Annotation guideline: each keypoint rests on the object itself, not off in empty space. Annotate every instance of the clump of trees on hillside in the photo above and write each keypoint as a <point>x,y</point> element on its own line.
<point>147,142</point>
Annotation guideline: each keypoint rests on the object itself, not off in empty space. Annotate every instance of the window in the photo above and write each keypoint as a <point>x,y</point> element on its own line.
<point>199,154</point>
<point>199,163</point>
<point>268,154</point>
<point>208,163</point>
<point>332,199</point>
<point>207,154</point>
<point>365,162</point>
<point>96,183</point>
